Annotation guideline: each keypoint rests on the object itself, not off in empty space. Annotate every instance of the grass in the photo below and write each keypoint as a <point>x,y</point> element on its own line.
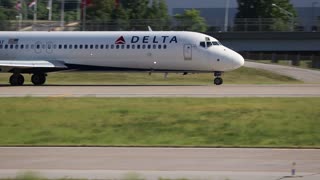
<point>240,76</point>
<point>30,175</point>
<point>254,122</point>
<point>303,63</point>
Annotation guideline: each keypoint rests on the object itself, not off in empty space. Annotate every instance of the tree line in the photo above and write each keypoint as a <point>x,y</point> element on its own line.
<point>137,14</point>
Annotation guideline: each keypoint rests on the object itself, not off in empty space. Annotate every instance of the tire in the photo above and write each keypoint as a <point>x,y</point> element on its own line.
<point>38,79</point>
<point>16,80</point>
<point>218,81</point>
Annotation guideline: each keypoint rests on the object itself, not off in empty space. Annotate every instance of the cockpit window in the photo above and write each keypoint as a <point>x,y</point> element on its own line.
<point>209,44</point>
<point>203,44</point>
<point>215,43</point>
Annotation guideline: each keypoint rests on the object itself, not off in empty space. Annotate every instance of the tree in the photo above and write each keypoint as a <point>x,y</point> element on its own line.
<point>3,20</point>
<point>157,15</point>
<point>191,20</point>
<point>119,18</point>
<point>137,9</point>
<point>100,10</point>
<point>98,14</point>
<point>263,9</point>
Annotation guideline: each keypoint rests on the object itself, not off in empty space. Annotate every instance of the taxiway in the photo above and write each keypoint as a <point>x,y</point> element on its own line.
<point>294,90</point>
<point>152,163</point>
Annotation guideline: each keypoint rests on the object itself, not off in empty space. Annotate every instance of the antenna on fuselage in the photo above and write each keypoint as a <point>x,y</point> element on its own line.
<point>149,28</point>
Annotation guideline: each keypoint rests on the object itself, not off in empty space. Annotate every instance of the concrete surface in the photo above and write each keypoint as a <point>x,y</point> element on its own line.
<point>294,90</point>
<point>152,163</point>
<point>305,75</point>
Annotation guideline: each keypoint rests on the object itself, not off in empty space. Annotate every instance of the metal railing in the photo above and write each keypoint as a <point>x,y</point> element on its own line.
<point>237,25</point>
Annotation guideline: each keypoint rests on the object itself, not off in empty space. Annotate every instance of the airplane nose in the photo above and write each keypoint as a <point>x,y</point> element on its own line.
<point>236,60</point>
<point>231,60</point>
<point>239,61</point>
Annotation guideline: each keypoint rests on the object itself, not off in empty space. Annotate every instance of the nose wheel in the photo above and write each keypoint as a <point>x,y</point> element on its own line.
<point>218,80</point>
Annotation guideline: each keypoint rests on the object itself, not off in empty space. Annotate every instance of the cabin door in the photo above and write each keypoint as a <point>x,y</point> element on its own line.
<point>187,52</point>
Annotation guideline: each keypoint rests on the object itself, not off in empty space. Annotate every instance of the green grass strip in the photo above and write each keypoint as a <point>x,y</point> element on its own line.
<point>240,76</point>
<point>241,122</point>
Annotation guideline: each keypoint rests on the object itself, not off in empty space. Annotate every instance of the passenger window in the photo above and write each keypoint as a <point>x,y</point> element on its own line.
<point>149,46</point>
<point>159,46</point>
<point>97,46</point>
<point>60,46</point>
<point>122,46</point>
<point>101,46</point>
<point>65,46</point>
<point>143,46</point>
<point>38,46</point>
<point>112,46</point>
<point>0,46</point>
<point>43,46</point>
<point>91,46</point>
<point>165,46</point>
<point>32,46</point>
<point>203,44</point>
<point>128,46</point>
<point>54,46</point>
<point>86,46</point>
<point>117,46</point>
<point>49,46</point>
<point>133,46</point>
<point>138,46</point>
<point>107,46</point>
<point>27,46</point>
<point>70,46</point>
<point>76,46</point>
<point>21,46</point>
<point>80,46</point>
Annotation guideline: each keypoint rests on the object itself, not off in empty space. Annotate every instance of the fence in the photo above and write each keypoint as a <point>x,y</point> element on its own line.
<point>237,25</point>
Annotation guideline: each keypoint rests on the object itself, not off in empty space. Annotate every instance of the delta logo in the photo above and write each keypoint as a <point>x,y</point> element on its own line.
<point>149,39</point>
<point>120,40</point>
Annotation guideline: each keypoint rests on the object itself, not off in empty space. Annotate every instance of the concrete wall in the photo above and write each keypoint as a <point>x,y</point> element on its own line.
<point>293,46</point>
<point>275,42</point>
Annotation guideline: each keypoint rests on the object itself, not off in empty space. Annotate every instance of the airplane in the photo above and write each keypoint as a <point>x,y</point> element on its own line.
<point>39,53</point>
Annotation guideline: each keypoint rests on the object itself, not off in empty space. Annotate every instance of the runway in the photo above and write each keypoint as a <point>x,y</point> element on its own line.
<point>294,90</point>
<point>152,163</point>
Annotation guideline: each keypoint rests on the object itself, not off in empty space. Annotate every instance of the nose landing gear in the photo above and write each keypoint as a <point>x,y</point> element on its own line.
<point>218,80</point>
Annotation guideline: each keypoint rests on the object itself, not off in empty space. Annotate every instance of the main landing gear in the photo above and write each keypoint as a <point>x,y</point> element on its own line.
<point>37,79</point>
<point>218,80</point>
<point>16,79</point>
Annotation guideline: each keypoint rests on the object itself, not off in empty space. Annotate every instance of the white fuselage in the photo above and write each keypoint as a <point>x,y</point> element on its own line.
<point>123,50</point>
